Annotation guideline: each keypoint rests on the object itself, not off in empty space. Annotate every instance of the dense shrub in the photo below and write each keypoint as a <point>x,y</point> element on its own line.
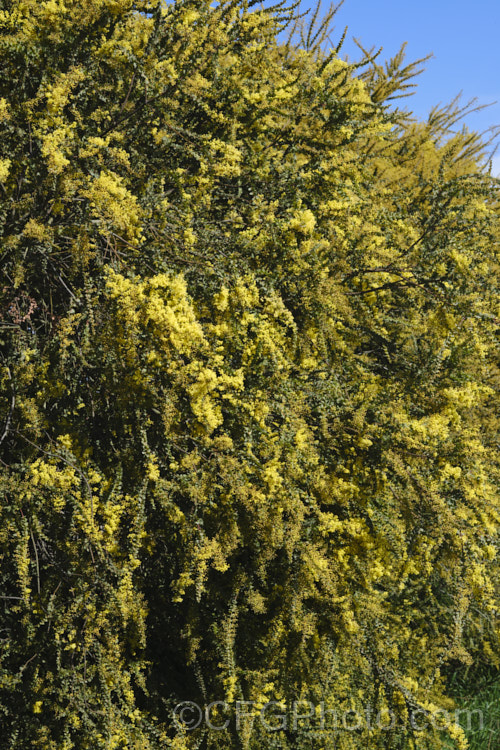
<point>249,370</point>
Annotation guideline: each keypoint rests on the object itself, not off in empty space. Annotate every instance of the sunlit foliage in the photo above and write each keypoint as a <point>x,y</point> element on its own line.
<point>249,371</point>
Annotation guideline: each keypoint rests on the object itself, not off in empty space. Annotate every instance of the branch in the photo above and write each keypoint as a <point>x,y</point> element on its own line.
<point>9,416</point>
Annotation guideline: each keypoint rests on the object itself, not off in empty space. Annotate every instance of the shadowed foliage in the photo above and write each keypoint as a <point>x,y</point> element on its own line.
<point>249,324</point>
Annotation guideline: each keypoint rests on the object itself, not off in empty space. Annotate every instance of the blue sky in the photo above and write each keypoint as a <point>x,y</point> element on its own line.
<point>463,36</point>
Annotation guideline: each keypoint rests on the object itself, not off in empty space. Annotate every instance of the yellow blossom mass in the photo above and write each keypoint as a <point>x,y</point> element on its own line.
<point>249,375</point>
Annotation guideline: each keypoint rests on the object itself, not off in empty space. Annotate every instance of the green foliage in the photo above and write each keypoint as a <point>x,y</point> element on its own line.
<point>478,691</point>
<point>249,369</point>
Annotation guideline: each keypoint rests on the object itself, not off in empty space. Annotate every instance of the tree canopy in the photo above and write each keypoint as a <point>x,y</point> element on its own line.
<point>249,323</point>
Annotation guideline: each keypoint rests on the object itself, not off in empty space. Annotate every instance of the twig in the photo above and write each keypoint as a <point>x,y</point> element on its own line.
<point>67,288</point>
<point>36,559</point>
<point>21,669</point>
<point>9,416</point>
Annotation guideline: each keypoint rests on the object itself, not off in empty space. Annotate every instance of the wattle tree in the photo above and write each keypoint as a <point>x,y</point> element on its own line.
<point>249,322</point>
